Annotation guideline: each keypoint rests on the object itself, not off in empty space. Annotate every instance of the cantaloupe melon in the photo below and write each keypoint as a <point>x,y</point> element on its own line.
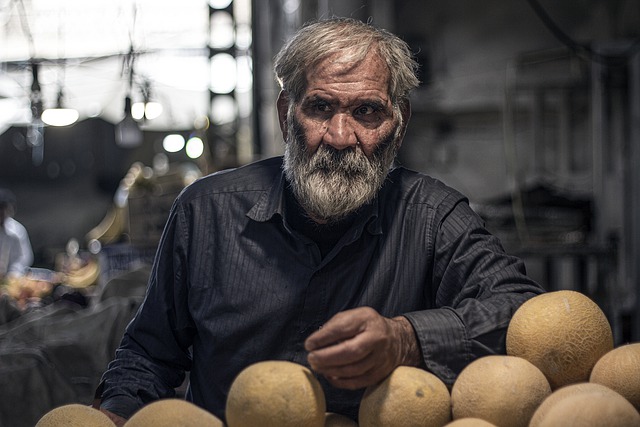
<point>564,392</point>
<point>338,420</point>
<point>592,410</point>
<point>407,397</point>
<point>619,370</point>
<point>503,390</point>
<point>173,413</point>
<point>470,422</point>
<point>74,415</point>
<point>275,393</point>
<point>563,333</point>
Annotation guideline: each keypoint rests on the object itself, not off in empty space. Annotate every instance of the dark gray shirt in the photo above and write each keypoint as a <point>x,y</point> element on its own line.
<point>233,283</point>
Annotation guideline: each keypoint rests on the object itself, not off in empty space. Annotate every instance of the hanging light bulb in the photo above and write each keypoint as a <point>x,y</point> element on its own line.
<point>147,109</point>
<point>128,133</point>
<point>59,116</point>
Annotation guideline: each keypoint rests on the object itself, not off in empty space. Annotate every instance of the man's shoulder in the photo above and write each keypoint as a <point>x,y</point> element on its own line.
<point>257,176</point>
<point>419,188</point>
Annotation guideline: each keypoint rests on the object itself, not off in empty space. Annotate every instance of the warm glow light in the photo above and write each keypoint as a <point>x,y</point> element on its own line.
<point>173,143</point>
<point>223,109</point>
<point>150,110</point>
<point>137,110</point>
<point>153,110</point>
<point>219,4</point>
<point>222,34</point>
<point>223,73</point>
<point>195,147</point>
<point>59,116</point>
<point>245,77</point>
<point>243,36</point>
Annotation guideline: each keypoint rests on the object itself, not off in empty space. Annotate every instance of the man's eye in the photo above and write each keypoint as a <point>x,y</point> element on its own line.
<point>321,106</point>
<point>365,110</point>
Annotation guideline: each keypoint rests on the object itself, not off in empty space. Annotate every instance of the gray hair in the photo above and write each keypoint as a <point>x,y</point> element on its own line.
<point>354,39</point>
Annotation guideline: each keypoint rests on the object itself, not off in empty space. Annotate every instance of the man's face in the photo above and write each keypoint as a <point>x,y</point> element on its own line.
<point>341,138</point>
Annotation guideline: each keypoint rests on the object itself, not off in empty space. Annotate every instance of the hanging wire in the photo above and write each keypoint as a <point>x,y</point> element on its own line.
<point>581,49</point>
<point>511,156</point>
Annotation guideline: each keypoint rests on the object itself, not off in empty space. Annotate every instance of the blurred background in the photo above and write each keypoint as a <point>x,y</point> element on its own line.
<point>531,108</point>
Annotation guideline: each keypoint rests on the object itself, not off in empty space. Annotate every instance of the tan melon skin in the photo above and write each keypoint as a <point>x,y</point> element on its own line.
<point>408,397</point>
<point>563,393</point>
<point>619,370</point>
<point>275,393</point>
<point>337,420</point>
<point>563,333</point>
<point>592,410</point>
<point>173,413</point>
<point>503,390</point>
<point>74,415</point>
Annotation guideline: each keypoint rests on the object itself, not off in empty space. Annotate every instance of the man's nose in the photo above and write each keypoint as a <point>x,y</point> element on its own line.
<point>340,133</point>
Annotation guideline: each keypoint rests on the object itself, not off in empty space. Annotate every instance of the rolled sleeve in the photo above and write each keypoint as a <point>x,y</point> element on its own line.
<point>443,340</point>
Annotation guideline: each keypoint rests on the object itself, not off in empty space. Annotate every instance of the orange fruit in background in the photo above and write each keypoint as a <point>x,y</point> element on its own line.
<point>563,333</point>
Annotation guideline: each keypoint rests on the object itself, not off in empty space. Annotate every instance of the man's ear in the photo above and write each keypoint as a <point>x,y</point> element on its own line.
<point>282,105</point>
<point>405,112</point>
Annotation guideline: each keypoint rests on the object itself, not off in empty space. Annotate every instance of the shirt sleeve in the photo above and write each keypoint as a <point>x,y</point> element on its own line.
<point>155,350</point>
<point>478,288</point>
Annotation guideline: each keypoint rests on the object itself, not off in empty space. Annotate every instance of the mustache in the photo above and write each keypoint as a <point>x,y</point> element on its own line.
<point>350,161</point>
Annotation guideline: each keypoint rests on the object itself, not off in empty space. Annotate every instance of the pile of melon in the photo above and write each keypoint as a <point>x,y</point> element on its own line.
<point>563,341</point>
<point>561,369</point>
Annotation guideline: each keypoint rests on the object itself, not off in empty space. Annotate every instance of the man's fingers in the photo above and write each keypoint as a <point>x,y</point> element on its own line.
<point>339,354</point>
<point>340,327</point>
<point>351,369</point>
<point>352,383</point>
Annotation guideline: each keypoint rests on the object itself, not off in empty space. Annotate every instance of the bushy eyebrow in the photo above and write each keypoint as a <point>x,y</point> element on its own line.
<point>376,102</point>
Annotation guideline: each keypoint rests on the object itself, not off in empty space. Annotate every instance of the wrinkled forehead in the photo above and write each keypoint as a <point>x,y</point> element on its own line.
<point>343,64</point>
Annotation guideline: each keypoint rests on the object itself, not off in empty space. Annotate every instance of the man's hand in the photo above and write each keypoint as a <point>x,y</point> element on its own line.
<point>117,420</point>
<point>359,347</point>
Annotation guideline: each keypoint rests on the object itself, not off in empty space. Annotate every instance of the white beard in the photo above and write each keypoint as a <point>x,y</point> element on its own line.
<point>330,184</point>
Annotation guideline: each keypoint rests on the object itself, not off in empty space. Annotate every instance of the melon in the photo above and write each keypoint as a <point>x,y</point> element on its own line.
<point>338,420</point>
<point>503,390</point>
<point>171,413</point>
<point>275,393</point>
<point>592,410</point>
<point>563,333</point>
<point>619,370</point>
<point>564,392</point>
<point>407,397</point>
<point>75,415</point>
<point>470,422</point>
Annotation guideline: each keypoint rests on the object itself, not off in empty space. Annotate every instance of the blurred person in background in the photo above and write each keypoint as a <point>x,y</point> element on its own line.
<point>16,254</point>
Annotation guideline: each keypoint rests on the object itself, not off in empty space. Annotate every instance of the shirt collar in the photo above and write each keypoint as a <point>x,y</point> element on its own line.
<point>271,204</point>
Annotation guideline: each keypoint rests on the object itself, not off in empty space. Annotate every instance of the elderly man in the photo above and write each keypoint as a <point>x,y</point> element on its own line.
<point>329,257</point>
